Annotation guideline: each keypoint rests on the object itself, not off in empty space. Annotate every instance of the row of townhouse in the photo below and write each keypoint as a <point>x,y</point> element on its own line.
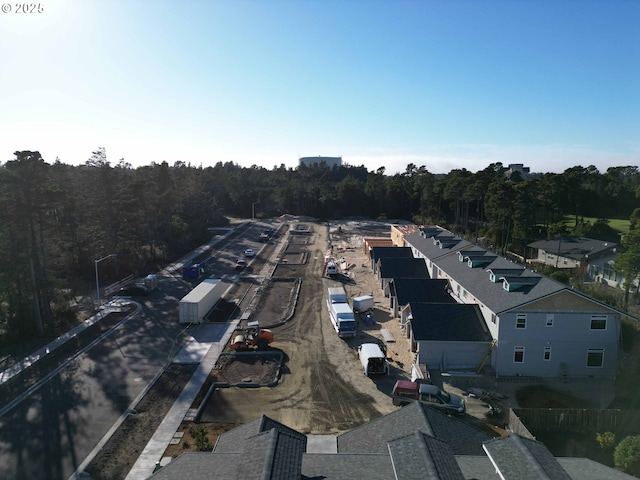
<point>504,316</point>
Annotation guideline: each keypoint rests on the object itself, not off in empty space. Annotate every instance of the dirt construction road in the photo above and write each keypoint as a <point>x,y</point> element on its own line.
<point>322,389</point>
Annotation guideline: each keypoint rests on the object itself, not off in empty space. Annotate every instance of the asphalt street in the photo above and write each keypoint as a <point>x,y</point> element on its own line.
<point>50,432</point>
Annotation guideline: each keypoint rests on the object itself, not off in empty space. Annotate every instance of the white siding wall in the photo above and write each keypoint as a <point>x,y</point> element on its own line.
<point>452,355</point>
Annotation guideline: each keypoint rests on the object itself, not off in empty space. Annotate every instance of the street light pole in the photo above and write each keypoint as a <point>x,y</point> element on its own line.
<point>97,280</point>
<point>253,210</point>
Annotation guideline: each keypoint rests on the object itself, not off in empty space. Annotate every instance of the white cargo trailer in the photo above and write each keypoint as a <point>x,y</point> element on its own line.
<point>336,295</point>
<point>199,301</point>
<point>363,304</point>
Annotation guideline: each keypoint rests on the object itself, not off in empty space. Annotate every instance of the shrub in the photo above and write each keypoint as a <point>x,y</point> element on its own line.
<point>606,440</point>
<point>626,456</point>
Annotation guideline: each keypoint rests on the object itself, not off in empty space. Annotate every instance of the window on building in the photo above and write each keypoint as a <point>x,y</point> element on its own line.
<point>493,318</point>
<point>550,319</point>
<point>547,354</point>
<point>609,272</point>
<point>595,357</point>
<point>521,320</point>
<point>598,322</point>
<point>518,354</point>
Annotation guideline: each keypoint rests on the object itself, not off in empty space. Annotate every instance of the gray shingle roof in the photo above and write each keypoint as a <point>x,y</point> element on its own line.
<point>418,456</point>
<point>587,469</point>
<point>345,466</point>
<point>427,243</point>
<point>420,290</point>
<point>373,436</point>
<point>575,247</point>
<point>274,454</point>
<point>519,458</point>
<point>231,441</point>
<point>448,322</point>
<point>403,268</point>
<point>477,282</point>
<point>199,466</point>
<point>414,435</point>
<point>376,253</point>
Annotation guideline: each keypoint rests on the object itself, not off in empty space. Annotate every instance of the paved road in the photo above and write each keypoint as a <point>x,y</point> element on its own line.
<point>49,433</point>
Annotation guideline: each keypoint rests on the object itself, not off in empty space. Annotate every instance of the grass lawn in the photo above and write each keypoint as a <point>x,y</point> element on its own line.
<point>619,224</point>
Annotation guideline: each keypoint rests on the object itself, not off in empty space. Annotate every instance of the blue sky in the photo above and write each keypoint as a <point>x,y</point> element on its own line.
<point>444,84</point>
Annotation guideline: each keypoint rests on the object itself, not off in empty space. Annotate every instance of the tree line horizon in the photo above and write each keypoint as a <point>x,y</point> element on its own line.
<point>57,219</point>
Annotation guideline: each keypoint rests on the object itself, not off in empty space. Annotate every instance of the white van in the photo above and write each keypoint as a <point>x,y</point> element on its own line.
<point>372,359</point>
<point>332,268</point>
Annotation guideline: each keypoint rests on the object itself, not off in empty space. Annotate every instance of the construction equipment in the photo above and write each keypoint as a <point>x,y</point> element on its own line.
<point>253,337</point>
<point>486,356</point>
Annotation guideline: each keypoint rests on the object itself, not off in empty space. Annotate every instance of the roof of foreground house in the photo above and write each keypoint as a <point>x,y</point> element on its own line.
<point>374,436</point>
<point>524,459</point>
<point>413,442</point>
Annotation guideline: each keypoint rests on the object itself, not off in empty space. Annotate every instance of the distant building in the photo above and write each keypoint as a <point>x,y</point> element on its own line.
<point>574,252</point>
<point>330,161</point>
<point>517,167</point>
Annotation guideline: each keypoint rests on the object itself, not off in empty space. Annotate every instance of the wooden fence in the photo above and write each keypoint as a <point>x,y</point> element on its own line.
<point>574,419</point>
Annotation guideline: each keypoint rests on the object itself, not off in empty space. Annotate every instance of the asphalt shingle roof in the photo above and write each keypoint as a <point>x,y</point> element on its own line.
<point>373,436</point>
<point>344,466</point>
<point>418,456</point>
<point>403,268</point>
<point>408,290</point>
<point>274,454</point>
<point>376,253</point>
<point>574,247</point>
<point>199,466</point>
<point>448,322</point>
<point>519,458</point>
<point>492,294</point>
<point>423,241</point>
<point>231,441</point>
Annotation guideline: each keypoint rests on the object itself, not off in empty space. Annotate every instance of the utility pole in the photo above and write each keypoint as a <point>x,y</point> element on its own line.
<point>97,280</point>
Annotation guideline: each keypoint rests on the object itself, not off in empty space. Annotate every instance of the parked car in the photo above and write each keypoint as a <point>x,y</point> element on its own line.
<point>137,290</point>
<point>405,392</point>
<point>249,253</point>
<point>241,264</point>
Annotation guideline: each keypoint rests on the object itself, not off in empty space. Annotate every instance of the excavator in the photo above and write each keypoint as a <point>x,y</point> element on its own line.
<point>252,337</point>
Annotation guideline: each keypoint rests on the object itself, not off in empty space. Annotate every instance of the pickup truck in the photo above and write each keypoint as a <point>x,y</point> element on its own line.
<point>405,392</point>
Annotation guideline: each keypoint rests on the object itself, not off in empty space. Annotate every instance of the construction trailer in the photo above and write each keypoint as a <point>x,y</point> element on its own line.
<point>195,306</point>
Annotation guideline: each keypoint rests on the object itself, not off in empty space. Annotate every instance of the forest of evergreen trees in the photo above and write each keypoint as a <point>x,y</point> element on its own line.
<point>58,219</point>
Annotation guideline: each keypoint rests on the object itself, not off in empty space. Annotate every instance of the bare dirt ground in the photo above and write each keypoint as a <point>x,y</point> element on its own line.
<point>322,389</point>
